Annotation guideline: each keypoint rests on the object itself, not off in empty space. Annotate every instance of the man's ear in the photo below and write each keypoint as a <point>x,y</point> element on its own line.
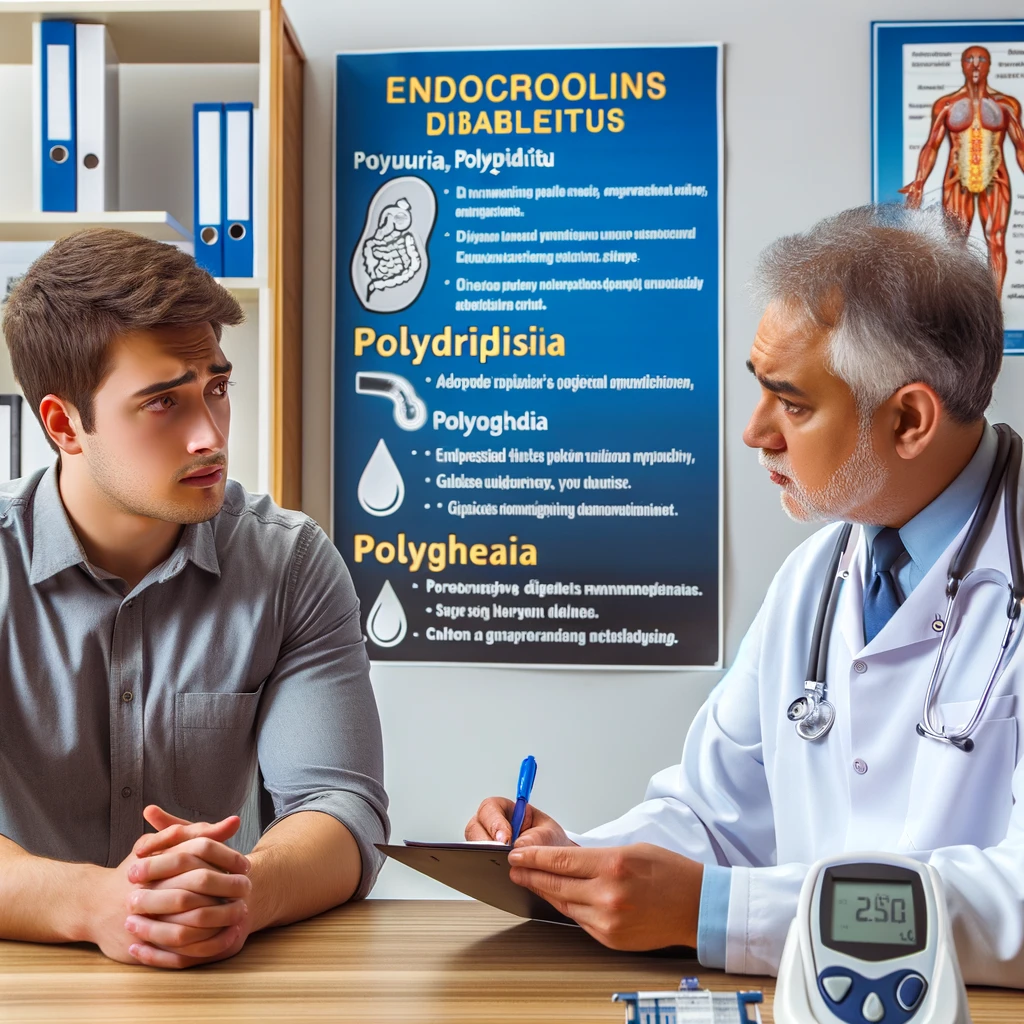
<point>61,421</point>
<point>916,415</point>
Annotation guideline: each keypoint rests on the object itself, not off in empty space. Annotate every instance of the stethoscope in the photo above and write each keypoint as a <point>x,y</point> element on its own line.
<point>814,714</point>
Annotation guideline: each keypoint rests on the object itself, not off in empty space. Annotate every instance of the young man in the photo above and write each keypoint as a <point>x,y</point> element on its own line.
<point>162,632</point>
<point>876,359</point>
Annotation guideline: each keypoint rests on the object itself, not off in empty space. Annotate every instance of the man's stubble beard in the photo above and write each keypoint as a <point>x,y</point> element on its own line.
<point>124,493</point>
<point>855,485</point>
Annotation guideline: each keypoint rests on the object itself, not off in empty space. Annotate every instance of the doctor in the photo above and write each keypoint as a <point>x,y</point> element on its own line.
<point>876,357</point>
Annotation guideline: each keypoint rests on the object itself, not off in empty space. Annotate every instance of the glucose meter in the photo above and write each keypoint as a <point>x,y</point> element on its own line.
<point>870,943</point>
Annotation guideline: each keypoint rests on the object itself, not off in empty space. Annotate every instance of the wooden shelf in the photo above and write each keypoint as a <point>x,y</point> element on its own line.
<point>245,289</point>
<point>47,227</point>
<point>90,7</point>
<point>183,32</point>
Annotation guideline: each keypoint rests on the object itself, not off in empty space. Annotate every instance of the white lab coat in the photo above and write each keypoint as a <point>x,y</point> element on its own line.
<point>751,794</point>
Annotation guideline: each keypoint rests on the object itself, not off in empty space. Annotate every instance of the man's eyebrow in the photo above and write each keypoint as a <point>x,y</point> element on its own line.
<point>215,370</point>
<point>778,387</point>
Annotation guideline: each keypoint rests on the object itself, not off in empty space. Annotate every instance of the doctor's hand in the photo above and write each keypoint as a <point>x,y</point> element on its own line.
<point>628,897</point>
<point>194,924</point>
<point>493,821</point>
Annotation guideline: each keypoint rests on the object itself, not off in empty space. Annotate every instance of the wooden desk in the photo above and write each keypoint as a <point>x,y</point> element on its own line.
<point>376,961</point>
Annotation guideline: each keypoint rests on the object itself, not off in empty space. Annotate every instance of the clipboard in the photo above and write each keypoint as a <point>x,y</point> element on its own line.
<point>479,870</point>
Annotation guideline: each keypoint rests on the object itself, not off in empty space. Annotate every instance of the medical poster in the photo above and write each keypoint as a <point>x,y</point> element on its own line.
<point>528,338</point>
<point>947,130</point>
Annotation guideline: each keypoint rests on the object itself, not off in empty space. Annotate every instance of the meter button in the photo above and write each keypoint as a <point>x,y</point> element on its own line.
<point>873,1010</point>
<point>837,986</point>
<point>910,990</point>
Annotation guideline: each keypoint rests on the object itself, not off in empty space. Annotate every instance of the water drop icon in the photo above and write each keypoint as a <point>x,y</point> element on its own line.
<point>386,624</point>
<point>381,488</point>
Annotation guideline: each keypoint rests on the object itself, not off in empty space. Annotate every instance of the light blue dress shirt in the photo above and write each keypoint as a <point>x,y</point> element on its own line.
<point>925,537</point>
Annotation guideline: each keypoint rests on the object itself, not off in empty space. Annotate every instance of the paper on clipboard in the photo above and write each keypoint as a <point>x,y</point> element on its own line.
<point>465,844</point>
<point>479,870</point>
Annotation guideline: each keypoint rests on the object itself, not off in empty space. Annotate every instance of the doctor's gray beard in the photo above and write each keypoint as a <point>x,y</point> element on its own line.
<point>855,484</point>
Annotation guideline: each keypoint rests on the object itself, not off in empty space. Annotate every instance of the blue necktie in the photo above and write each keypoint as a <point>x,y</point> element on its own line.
<point>882,597</point>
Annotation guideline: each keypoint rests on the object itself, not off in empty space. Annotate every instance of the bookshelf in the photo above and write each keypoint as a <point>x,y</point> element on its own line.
<point>173,53</point>
<point>45,227</point>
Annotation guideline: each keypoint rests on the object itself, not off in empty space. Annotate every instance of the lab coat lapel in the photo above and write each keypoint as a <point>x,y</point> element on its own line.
<point>913,621</point>
<point>850,610</point>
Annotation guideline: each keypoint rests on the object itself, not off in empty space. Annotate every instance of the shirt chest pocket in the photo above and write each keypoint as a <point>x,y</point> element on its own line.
<point>965,799</point>
<point>214,751</point>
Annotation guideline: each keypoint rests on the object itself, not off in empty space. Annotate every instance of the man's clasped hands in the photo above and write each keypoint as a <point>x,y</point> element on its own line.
<point>180,898</point>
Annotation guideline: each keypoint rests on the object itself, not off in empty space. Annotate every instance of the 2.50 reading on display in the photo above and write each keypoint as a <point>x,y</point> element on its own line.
<point>873,912</point>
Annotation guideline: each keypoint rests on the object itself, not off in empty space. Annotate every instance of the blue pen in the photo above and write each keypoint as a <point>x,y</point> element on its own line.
<point>527,773</point>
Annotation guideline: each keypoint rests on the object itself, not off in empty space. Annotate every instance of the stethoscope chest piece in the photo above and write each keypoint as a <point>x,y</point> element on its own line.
<point>812,713</point>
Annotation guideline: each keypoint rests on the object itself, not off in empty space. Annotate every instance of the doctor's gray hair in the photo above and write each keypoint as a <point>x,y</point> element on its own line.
<point>905,298</point>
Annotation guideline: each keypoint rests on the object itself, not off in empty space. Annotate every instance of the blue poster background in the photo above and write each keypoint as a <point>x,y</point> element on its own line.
<point>887,42</point>
<point>615,589</point>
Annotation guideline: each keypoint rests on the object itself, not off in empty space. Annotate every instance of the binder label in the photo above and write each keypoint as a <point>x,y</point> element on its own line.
<point>58,94</point>
<point>238,173</point>
<point>209,168</point>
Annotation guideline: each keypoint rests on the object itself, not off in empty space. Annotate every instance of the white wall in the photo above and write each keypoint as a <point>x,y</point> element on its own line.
<point>797,147</point>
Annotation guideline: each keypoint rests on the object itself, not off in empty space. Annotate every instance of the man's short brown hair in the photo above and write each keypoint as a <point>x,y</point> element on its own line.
<point>87,290</point>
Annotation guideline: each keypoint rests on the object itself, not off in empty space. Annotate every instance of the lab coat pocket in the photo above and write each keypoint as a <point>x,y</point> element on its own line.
<point>964,799</point>
<point>214,751</point>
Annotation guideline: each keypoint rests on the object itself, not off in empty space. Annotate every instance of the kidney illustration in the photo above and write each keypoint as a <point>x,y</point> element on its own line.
<point>390,261</point>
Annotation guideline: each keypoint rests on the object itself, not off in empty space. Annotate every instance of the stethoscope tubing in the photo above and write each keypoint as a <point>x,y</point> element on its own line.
<point>818,654</point>
<point>965,553</point>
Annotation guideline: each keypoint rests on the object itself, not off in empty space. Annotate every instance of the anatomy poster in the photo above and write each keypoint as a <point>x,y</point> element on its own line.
<point>528,337</point>
<point>947,130</point>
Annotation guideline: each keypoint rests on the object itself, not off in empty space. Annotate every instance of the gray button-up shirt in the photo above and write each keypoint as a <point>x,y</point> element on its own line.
<point>245,643</point>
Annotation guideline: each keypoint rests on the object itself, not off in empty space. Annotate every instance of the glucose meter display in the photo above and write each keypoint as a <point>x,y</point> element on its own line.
<point>874,912</point>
